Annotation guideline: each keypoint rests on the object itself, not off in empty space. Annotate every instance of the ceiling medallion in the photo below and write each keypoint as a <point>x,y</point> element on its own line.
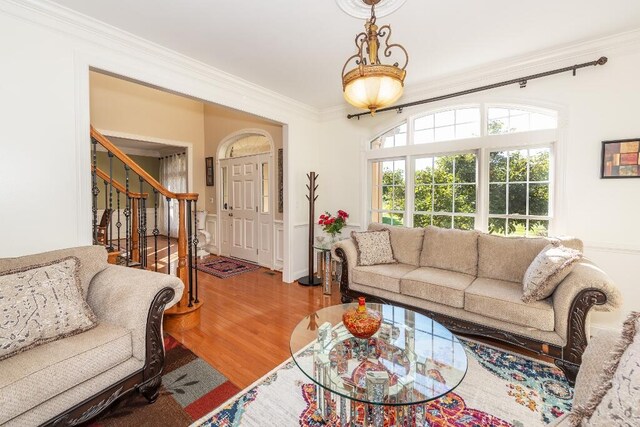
<point>362,9</point>
<point>371,84</point>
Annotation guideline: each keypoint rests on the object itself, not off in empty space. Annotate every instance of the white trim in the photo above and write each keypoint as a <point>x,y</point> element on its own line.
<point>233,137</point>
<point>83,150</point>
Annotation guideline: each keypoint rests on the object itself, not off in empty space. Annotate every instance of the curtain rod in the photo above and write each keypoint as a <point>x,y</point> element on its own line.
<point>522,81</point>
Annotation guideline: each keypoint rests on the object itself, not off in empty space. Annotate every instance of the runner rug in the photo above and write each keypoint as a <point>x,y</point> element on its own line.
<point>190,389</point>
<point>500,389</point>
<point>223,267</point>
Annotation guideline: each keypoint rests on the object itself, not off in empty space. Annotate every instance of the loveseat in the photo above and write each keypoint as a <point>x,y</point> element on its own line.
<point>471,282</point>
<point>72,379</point>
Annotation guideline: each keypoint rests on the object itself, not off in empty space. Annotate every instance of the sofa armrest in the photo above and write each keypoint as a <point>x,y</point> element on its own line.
<point>346,252</point>
<point>586,287</point>
<point>124,296</point>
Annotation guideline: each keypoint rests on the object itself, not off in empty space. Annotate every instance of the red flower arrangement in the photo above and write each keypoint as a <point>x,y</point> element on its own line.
<point>333,224</point>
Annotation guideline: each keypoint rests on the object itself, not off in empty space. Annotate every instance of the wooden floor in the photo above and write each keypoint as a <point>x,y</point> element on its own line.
<point>247,320</point>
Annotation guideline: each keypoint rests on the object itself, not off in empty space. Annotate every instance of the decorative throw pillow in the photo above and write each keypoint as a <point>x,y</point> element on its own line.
<point>616,400</point>
<point>41,303</point>
<point>374,247</point>
<point>547,270</point>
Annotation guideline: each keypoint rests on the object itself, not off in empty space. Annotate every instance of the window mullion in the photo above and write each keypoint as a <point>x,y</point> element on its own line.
<point>409,191</point>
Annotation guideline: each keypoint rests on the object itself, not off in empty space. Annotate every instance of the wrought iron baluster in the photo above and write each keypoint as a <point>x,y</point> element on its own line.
<point>105,213</point>
<point>110,229</point>
<point>155,229</point>
<point>94,189</point>
<point>142,226</point>
<point>168,235</point>
<point>195,248</point>
<point>127,214</point>
<point>190,255</point>
<point>118,223</point>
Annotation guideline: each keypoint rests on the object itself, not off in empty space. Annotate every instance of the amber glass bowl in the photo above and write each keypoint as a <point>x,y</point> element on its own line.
<point>361,321</point>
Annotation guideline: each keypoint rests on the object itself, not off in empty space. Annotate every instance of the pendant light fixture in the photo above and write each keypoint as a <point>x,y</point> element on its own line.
<point>371,84</point>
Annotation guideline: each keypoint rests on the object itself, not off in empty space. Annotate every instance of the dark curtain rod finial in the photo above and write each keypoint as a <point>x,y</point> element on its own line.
<point>522,82</point>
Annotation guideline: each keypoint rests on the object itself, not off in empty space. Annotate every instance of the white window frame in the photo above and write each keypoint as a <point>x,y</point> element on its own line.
<point>481,146</point>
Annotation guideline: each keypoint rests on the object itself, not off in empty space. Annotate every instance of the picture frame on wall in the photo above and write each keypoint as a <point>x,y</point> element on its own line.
<point>209,170</point>
<point>620,159</point>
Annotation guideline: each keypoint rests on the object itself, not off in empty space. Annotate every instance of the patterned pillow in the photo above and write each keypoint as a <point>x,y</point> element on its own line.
<point>41,303</point>
<point>616,401</point>
<point>547,270</point>
<point>374,247</point>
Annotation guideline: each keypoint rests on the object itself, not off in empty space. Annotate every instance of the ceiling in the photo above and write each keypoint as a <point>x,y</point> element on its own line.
<point>298,47</point>
<point>138,147</point>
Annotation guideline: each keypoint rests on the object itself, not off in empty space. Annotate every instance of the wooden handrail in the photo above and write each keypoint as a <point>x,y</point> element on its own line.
<point>102,140</point>
<point>121,188</point>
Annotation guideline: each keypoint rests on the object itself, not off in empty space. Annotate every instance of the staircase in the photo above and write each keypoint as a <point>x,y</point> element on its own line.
<point>129,244</point>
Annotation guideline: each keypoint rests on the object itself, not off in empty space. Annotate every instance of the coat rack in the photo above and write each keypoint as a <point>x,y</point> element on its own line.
<point>311,279</point>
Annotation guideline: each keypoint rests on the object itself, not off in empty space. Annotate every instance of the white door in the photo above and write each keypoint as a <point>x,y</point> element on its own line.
<point>243,209</point>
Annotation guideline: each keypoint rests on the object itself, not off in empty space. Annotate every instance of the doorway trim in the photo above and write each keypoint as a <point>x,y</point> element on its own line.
<point>221,157</point>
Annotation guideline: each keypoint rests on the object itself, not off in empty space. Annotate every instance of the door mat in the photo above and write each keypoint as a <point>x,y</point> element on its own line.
<point>223,267</point>
<point>190,388</point>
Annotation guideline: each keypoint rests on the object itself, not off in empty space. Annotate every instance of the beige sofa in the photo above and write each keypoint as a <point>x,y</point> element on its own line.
<point>471,282</point>
<point>71,380</point>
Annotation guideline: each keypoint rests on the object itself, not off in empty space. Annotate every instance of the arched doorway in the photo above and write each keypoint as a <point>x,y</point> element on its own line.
<point>246,199</point>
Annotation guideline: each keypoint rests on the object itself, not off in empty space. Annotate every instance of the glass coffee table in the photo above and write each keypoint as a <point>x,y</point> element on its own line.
<point>383,380</point>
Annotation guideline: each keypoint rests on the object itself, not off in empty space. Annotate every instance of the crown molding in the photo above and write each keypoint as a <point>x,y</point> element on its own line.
<point>91,30</point>
<point>557,56</point>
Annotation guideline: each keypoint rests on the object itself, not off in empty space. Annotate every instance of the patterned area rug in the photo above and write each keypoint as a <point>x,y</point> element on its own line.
<point>223,267</point>
<point>190,389</point>
<point>500,389</point>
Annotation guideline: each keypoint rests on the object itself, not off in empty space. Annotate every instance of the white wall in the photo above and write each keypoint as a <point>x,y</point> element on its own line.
<point>44,84</point>
<point>599,104</point>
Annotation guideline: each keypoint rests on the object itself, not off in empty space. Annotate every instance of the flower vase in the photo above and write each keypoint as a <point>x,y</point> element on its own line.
<point>361,321</point>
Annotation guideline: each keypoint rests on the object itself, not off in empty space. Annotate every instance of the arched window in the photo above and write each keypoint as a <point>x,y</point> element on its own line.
<point>248,145</point>
<point>461,175</point>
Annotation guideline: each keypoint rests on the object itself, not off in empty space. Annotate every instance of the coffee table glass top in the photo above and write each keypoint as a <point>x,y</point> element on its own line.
<point>411,359</point>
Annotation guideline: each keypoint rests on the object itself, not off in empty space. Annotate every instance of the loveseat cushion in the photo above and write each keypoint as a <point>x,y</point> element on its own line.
<point>501,300</point>
<point>455,250</point>
<point>507,258</point>
<point>436,285</point>
<point>93,259</point>
<point>406,242</point>
<point>385,276</point>
<point>34,376</point>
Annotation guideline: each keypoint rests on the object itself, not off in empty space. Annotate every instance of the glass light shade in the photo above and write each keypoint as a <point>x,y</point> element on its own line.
<point>373,92</point>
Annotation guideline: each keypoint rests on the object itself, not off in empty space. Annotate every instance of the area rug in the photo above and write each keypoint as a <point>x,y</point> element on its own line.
<point>190,389</point>
<point>223,267</point>
<point>500,389</point>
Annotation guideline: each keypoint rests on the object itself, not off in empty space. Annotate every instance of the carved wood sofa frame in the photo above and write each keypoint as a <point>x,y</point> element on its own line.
<point>147,380</point>
<point>567,358</point>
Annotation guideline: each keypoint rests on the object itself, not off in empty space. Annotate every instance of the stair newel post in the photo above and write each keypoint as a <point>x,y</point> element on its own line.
<point>195,248</point>
<point>311,279</point>
<point>94,189</point>
<point>181,270</point>
<point>168,235</point>
<point>190,250</point>
<point>156,232</point>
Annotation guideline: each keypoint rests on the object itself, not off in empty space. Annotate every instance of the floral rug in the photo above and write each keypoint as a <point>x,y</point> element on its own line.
<point>223,267</point>
<point>500,389</point>
<point>190,389</point>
